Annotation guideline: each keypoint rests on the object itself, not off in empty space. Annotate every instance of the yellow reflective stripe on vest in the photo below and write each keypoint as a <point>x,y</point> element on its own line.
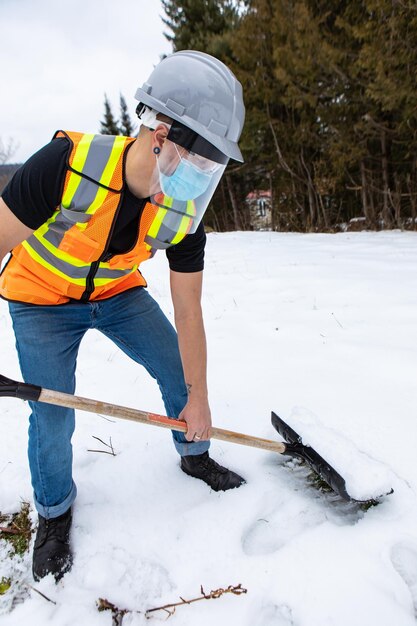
<point>156,223</point>
<point>167,202</point>
<point>37,257</point>
<point>191,210</point>
<point>81,152</point>
<point>119,143</point>
<point>39,234</point>
<point>78,162</point>
<point>100,279</point>
<point>100,282</point>
<point>182,230</point>
<point>96,204</point>
<point>105,178</point>
<point>185,222</point>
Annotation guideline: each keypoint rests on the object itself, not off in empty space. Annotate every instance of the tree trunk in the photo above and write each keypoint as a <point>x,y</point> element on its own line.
<point>271,191</point>
<point>298,224</point>
<point>323,210</point>
<point>364,195</point>
<point>225,211</point>
<point>413,198</point>
<point>386,214</point>
<point>233,201</point>
<point>374,212</point>
<point>413,211</point>
<point>311,205</point>
<point>396,201</point>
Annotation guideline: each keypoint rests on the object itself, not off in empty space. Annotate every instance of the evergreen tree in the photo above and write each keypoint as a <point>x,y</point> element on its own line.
<point>342,90</point>
<point>126,127</point>
<point>386,64</point>
<point>207,25</point>
<point>331,100</point>
<point>109,125</point>
<point>200,24</point>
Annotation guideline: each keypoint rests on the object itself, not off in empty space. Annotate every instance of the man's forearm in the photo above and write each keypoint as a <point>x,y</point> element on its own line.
<point>193,350</point>
<point>186,296</point>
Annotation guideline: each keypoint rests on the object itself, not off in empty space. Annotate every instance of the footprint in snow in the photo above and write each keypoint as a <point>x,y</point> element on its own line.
<point>303,507</point>
<point>298,479</point>
<point>273,615</point>
<point>404,560</point>
<point>274,528</point>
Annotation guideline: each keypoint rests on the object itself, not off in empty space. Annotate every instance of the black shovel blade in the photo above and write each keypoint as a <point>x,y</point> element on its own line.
<point>296,448</point>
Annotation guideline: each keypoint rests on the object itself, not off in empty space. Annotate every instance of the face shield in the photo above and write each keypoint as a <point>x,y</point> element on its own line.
<point>187,172</point>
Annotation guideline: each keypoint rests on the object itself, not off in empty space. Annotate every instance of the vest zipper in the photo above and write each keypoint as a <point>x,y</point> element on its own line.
<point>89,283</point>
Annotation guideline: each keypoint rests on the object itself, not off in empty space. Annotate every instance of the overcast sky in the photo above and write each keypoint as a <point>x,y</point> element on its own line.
<point>59,58</point>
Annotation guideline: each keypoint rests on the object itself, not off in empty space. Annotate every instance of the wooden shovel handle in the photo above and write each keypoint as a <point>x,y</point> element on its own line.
<point>136,415</point>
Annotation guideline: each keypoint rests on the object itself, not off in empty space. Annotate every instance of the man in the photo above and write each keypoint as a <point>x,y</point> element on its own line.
<point>79,217</point>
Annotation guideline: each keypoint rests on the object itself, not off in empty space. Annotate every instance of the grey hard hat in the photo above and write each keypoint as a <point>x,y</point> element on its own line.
<point>200,92</point>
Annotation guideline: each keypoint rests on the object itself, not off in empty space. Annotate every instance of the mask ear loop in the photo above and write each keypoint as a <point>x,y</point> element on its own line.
<point>179,156</point>
<point>157,151</point>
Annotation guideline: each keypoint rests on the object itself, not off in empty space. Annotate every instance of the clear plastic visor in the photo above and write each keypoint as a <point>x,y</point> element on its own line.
<point>194,143</point>
<point>201,163</point>
<point>184,183</point>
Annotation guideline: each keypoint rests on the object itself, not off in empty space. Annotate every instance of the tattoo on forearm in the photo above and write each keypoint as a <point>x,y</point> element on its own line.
<point>188,387</point>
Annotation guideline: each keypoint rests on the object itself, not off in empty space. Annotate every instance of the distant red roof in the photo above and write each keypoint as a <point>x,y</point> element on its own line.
<point>256,195</point>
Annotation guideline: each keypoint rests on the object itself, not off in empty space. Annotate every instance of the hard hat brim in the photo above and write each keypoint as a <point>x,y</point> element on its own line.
<point>227,147</point>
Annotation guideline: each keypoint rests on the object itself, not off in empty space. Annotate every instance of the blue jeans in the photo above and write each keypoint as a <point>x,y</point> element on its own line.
<point>47,341</point>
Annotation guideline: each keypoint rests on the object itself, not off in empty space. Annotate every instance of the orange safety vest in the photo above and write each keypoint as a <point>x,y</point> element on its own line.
<point>65,258</point>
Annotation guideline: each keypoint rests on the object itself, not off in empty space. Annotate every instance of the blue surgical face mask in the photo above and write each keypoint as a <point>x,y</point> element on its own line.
<point>186,183</point>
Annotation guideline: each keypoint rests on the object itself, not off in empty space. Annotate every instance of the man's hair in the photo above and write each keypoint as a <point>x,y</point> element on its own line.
<point>164,118</point>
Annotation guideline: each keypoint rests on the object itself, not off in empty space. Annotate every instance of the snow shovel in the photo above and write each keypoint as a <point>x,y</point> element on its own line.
<point>292,446</point>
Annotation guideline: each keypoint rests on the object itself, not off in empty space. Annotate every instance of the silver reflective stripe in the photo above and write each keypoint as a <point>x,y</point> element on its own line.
<point>156,244</point>
<point>84,195</point>
<point>172,221</point>
<point>103,272</point>
<point>167,231</point>
<point>69,269</point>
<point>61,224</point>
<point>98,156</point>
<point>175,206</point>
<point>75,216</point>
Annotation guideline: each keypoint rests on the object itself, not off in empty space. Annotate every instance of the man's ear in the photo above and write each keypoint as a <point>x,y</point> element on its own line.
<point>159,135</point>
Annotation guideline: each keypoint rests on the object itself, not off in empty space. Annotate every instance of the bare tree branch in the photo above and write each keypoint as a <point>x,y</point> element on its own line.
<point>118,614</point>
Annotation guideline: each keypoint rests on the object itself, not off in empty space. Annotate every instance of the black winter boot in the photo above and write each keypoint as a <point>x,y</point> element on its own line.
<point>52,553</point>
<point>217,477</point>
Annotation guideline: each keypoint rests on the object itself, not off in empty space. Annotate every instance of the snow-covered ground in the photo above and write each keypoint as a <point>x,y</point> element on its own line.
<point>320,328</point>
